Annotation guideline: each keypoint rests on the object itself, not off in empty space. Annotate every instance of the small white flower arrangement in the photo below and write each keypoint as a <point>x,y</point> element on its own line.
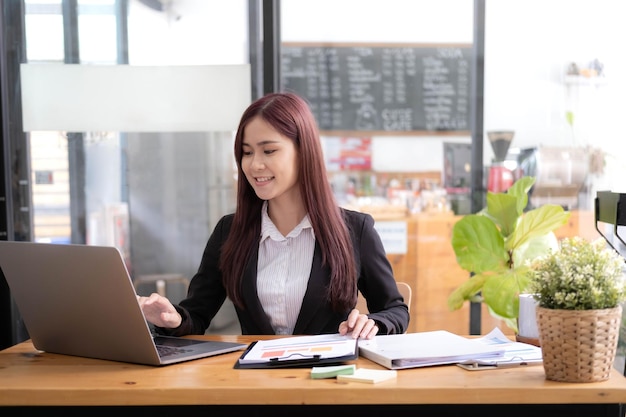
<point>579,275</point>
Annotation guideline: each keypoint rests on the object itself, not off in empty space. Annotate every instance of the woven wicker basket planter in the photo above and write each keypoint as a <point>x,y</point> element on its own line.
<point>578,345</point>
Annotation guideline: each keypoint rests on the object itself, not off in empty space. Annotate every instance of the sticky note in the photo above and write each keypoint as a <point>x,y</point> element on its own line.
<point>369,376</point>
<point>321,372</point>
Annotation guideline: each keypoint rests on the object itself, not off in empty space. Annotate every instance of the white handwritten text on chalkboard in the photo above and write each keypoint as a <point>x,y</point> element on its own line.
<point>381,88</point>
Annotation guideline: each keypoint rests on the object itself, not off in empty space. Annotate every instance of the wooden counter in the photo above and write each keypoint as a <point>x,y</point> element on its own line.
<point>32,382</point>
<point>430,268</point>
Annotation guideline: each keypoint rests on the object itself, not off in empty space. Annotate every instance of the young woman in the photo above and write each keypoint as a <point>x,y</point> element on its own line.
<point>289,258</point>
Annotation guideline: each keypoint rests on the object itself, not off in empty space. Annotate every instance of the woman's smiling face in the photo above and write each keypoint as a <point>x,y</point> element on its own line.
<point>269,161</point>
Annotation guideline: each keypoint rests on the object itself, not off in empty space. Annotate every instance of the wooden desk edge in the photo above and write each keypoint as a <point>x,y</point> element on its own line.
<point>128,384</point>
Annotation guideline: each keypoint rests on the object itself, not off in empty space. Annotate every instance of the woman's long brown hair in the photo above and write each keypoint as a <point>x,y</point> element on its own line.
<point>291,116</point>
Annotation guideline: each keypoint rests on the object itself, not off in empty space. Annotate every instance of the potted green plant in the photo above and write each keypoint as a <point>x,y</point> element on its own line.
<point>579,288</point>
<point>496,245</point>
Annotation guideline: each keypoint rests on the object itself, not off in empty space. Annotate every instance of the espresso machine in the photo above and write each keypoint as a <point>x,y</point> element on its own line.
<point>561,177</point>
<point>500,178</point>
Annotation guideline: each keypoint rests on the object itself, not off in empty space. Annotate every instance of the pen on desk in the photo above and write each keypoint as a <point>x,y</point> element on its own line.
<point>510,364</point>
<point>529,362</point>
<point>303,358</point>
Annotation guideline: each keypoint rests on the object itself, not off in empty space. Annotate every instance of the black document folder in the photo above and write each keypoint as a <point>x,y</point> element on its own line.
<point>298,352</point>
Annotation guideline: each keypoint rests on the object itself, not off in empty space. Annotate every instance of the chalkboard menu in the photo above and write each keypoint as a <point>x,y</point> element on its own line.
<point>381,88</point>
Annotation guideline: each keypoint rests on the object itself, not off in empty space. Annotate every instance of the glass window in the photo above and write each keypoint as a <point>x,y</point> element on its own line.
<point>155,194</point>
<point>44,30</point>
<point>380,154</point>
<point>97,31</point>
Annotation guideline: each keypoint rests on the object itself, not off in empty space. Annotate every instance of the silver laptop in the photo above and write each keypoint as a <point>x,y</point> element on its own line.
<point>79,300</point>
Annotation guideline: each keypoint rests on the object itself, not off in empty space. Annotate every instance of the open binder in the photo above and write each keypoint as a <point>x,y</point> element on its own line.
<point>298,352</point>
<point>413,350</point>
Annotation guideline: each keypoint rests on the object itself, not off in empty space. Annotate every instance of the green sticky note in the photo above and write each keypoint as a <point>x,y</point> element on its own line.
<point>321,372</point>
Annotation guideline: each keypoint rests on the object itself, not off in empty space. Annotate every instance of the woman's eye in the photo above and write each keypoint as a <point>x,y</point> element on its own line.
<point>247,153</point>
<point>269,151</point>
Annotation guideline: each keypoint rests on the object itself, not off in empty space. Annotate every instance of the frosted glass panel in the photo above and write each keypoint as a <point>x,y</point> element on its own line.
<point>126,98</point>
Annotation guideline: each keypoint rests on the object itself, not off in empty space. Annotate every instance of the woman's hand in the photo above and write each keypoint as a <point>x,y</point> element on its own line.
<point>359,325</point>
<point>159,311</point>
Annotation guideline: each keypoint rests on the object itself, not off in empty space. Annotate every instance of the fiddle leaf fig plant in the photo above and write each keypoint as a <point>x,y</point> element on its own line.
<point>496,246</point>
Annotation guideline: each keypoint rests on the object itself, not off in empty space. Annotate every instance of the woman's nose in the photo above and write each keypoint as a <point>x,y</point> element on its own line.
<point>257,162</point>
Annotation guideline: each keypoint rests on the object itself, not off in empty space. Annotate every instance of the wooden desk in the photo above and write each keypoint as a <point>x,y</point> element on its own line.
<point>32,382</point>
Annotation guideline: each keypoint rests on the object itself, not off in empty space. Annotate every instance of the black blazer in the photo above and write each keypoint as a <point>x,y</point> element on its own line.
<point>376,282</point>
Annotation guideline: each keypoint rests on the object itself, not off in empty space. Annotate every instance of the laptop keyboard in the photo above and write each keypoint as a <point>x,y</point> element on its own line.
<point>165,351</point>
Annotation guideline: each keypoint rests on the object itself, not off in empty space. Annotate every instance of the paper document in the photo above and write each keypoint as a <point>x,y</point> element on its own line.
<point>368,376</point>
<point>515,353</point>
<point>301,349</point>
<point>412,350</point>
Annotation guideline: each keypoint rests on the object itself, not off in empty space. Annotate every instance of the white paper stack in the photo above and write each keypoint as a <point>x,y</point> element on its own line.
<point>412,350</point>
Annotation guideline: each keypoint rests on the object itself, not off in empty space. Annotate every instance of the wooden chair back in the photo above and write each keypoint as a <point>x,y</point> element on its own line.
<point>403,287</point>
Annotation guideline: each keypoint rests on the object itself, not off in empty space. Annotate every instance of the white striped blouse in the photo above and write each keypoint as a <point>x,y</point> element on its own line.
<point>283,271</point>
